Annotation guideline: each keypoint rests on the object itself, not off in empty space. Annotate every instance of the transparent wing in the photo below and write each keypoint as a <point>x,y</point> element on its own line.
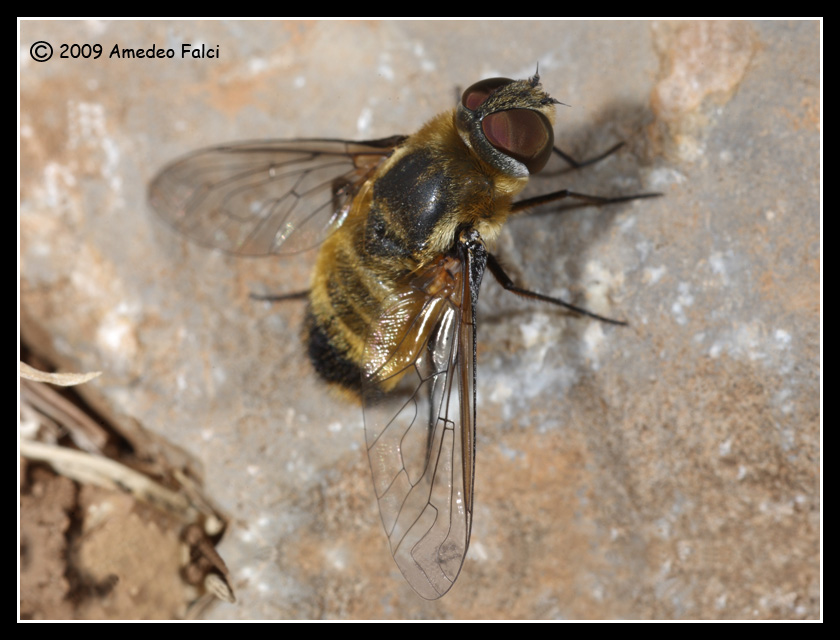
<point>420,434</point>
<point>261,198</point>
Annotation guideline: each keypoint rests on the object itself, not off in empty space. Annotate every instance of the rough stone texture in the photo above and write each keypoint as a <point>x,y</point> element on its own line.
<point>669,469</point>
<point>45,505</point>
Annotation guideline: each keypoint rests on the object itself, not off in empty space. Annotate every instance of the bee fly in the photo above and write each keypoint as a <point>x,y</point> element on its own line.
<point>403,225</point>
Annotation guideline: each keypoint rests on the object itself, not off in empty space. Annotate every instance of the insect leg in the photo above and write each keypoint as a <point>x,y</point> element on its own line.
<point>507,283</point>
<point>280,297</point>
<point>584,199</point>
<point>579,165</point>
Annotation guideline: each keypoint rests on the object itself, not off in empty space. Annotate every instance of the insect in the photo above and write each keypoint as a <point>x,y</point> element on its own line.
<point>403,226</point>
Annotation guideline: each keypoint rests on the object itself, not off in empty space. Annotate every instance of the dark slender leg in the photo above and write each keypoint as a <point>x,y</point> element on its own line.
<point>579,165</point>
<point>530,203</point>
<point>507,283</point>
<point>271,297</point>
<point>583,198</point>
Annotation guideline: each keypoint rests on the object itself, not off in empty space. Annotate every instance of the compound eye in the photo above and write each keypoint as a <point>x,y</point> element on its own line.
<point>522,134</point>
<point>476,94</point>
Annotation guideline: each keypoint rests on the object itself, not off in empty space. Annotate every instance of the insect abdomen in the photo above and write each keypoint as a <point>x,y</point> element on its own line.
<point>364,260</point>
<point>405,217</point>
<point>348,285</point>
<point>331,363</point>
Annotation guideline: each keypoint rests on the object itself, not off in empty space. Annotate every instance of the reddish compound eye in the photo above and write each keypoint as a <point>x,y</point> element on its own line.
<point>476,94</point>
<point>522,134</point>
